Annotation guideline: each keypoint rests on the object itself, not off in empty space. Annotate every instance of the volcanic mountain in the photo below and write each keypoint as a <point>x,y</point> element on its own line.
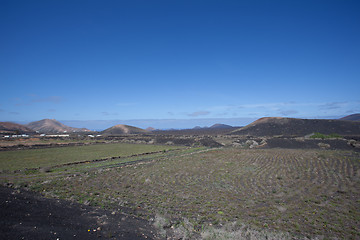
<point>276,126</point>
<point>9,127</point>
<point>222,126</point>
<point>352,117</point>
<point>53,126</point>
<point>123,129</point>
<point>150,129</point>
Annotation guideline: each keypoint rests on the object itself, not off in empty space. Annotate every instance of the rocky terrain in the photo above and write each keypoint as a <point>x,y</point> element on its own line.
<point>261,165</point>
<point>28,215</point>
<point>269,132</point>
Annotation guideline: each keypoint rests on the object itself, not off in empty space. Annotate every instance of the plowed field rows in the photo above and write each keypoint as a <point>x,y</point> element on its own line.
<point>310,193</point>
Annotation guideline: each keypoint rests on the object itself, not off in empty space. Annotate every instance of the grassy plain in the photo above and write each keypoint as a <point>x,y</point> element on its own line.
<point>303,193</point>
<point>47,157</point>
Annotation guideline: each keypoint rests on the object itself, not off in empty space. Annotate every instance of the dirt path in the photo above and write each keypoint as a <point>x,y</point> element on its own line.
<point>28,215</point>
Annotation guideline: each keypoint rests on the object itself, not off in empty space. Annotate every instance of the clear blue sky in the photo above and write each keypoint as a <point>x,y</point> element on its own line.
<point>106,60</point>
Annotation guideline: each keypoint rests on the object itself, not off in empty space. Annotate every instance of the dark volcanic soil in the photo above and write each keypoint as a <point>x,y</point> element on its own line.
<point>27,215</point>
<point>292,143</point>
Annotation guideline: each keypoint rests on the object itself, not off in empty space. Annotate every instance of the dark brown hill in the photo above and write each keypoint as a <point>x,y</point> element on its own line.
<point>352,117</point>
<point>123,129</point>
<point>53,126</point>
<point>14,128</point>
<point>275,126</point>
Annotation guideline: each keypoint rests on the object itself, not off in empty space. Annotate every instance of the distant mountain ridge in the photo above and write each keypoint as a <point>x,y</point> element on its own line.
<point>53,126</point>
<point>273,126</point>
<point>352,117</point>
<point>222,126</point>
<point>13,128</point>
<point>215,126</point>
<point>150,129</point>
<point>123,129</point>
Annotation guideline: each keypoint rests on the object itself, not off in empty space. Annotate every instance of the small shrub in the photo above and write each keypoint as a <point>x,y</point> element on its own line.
<point>323,136</point>
<point>335,135</point>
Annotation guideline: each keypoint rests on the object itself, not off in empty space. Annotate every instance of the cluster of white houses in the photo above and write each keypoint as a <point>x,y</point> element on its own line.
<point>17,136</point>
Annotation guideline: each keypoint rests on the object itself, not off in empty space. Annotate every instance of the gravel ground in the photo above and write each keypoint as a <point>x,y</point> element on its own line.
<point>28,215</point>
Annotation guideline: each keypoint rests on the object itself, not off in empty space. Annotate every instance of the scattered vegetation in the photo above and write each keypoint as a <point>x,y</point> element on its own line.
<point>324,136</point>
<point>201,193</point>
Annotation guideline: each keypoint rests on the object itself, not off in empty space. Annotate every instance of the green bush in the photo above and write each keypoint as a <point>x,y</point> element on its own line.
<point>323,136</point>
<point>335,135</point>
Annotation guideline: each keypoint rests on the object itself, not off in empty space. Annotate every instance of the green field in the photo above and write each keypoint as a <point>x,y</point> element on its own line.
<point>47,157</point>
<point>203,193</point>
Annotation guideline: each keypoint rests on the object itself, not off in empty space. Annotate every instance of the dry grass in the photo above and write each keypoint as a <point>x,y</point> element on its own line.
<point>279,193</point>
